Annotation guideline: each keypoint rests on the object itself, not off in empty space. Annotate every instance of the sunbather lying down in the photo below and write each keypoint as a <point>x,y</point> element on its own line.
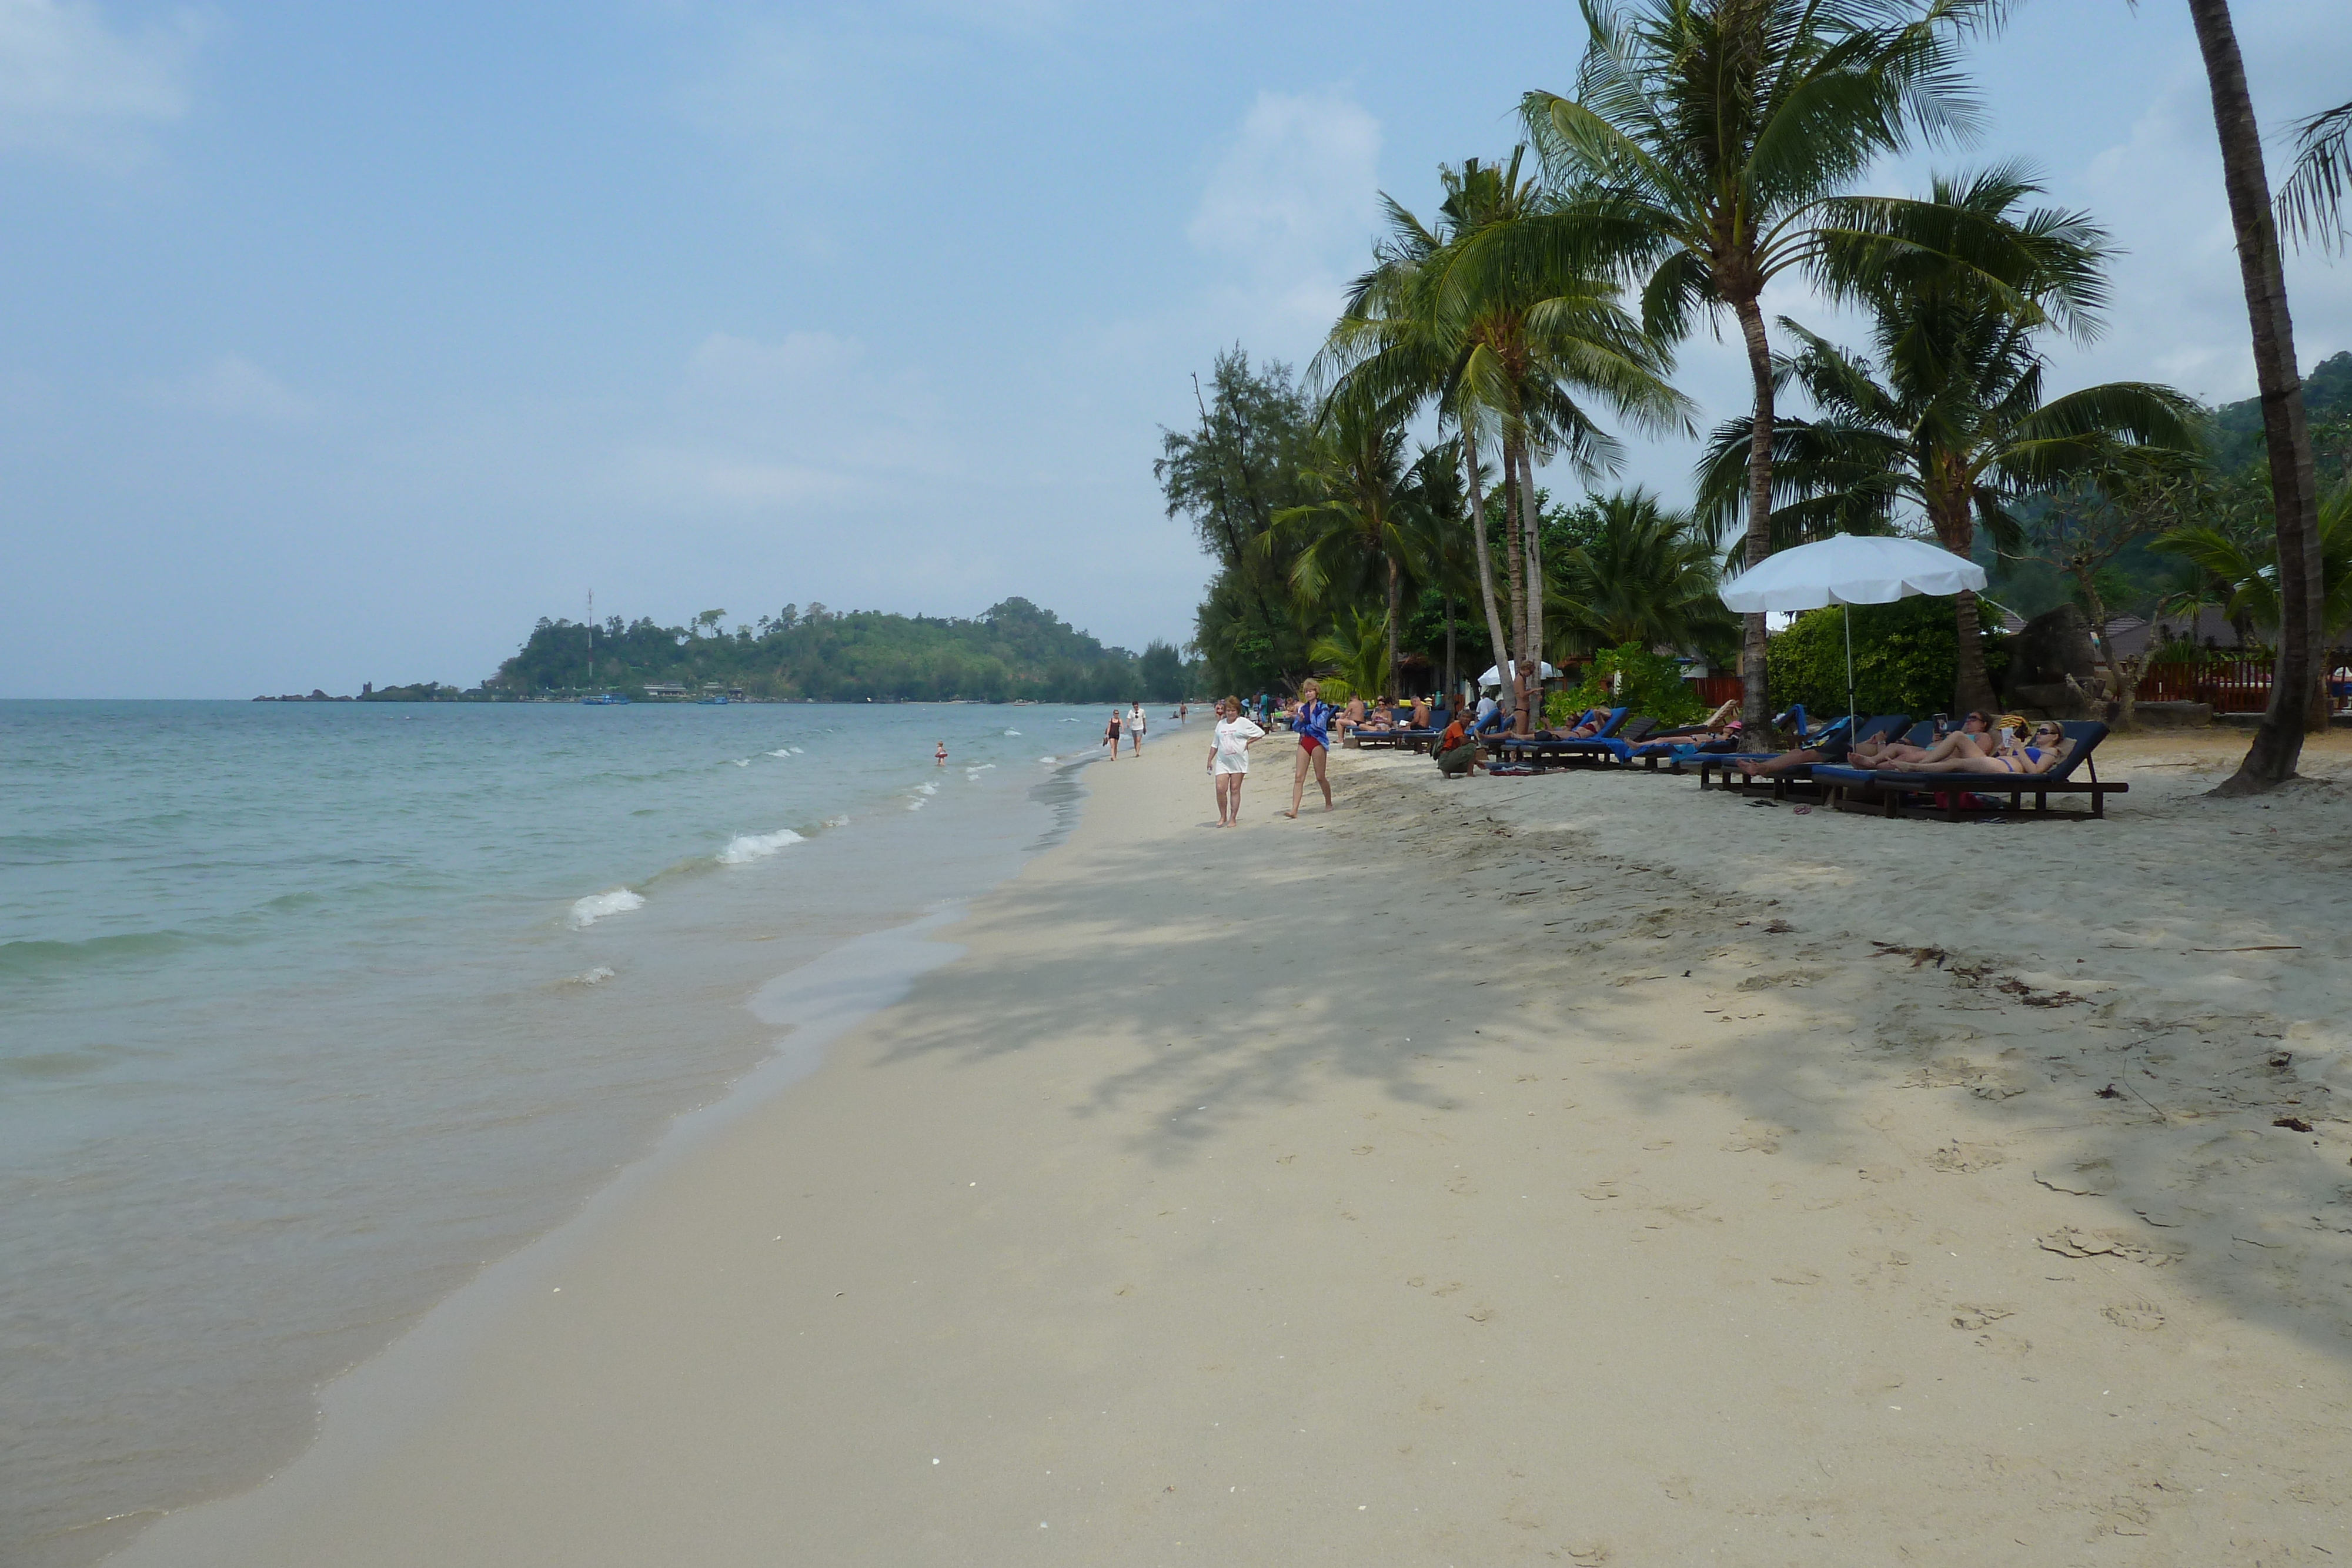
<point>1831,748</point>
<point>1717,724</point>
<point>2045,749</point>
<point>1584,731</point>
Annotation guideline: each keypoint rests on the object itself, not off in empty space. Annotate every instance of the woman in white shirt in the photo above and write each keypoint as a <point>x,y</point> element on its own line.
<point>1229,758</point>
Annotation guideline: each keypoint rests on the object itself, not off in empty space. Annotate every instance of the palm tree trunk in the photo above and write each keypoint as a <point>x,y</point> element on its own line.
<point>1756,693</point>
<point>1394,689</point>
<point>1972,687</point>
<point>1531,524</point>
<point>1486,557</point>
<point>1449,647</point>
<point>2287,435</point>
<point>1515,564</point>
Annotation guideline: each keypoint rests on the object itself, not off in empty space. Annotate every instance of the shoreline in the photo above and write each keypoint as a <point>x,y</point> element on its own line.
<point>617,1069</point>
<point>1436,1180</point>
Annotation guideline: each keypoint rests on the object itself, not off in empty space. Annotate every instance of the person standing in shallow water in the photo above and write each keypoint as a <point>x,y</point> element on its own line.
<point>1110,735</point>
<point>939,758</point>
<point>1229,758</point>
<point>1311,721</point>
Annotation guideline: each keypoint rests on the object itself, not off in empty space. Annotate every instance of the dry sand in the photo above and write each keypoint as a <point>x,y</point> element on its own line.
<point>1570,1169</point>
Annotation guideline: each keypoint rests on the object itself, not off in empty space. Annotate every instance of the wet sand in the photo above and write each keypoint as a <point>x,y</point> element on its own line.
<point>1568,1169</point>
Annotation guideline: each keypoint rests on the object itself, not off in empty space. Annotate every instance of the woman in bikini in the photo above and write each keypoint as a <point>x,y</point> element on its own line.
<point>2045,748</point>
<point>1310,719</point>
<point>1110,735</point>
<point>1975,738</point>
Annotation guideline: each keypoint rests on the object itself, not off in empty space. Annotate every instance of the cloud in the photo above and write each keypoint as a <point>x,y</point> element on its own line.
<point>808,419</point>
<point>74,86</point>
<point>231,387</point>
<point>1290,205</point>
<point>1301,176</point>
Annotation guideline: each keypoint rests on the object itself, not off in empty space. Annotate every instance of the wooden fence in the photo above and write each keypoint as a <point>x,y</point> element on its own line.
<point>2232,685</point>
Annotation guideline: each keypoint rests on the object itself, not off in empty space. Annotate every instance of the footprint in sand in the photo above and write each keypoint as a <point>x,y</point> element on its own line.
<point>1797,1277</point>
<point>1601,1191</point>
<point>1880,1173</point>
<point>1970,1319</point>
<point>2090,1178</point>
<point>1964,1159</point>
<point>1755,1138</point>
<point>2140,1316</point>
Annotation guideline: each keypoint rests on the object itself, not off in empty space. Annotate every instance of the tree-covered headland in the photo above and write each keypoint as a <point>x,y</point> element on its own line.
<point>1011,651</point>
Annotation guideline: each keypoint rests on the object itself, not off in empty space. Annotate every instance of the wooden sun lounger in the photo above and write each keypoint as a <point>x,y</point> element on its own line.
<point>1899,794</point>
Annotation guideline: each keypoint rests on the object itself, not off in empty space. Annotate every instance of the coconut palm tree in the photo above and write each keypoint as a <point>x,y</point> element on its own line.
<point>1645,575</point>
<point>1357,648</point>
<point>2246,568</point>
<point>1714,141</point>
<point>2286,430</point>
<point>1355,540</point>
<point>1947,416</point>
<point>1457,315</point>
<point>2311,203</point>
<point>1437,519</point>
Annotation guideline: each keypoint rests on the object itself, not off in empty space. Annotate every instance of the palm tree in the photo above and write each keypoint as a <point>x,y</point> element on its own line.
<point>1437,522</point>
<point>1947,415</point>
<point>2246,568</point>
<point>1503,343</point>
<point>2286,432</point>
<point>1713,139</point>
<point>2310,202</point>
<point>1357,533</point>
<point>1356,649</point>
<point>1644,575</point>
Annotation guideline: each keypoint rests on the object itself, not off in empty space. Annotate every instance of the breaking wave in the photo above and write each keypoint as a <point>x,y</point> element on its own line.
<point>587,911</point>
<point>745,848</point>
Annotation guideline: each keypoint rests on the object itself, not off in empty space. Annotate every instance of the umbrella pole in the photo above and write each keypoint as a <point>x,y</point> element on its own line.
<point>1849,672</point>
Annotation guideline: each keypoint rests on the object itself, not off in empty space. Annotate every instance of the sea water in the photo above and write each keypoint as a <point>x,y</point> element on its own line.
<point>310,1011</point>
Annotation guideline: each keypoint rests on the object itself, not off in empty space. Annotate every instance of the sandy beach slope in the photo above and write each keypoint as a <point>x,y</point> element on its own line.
<point>1568,1169</point>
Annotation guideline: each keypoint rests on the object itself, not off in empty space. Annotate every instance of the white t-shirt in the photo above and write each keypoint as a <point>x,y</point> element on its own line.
<point>1233,736</point>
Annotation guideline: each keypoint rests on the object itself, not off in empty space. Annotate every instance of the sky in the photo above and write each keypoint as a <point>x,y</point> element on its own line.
<point>351,340</point>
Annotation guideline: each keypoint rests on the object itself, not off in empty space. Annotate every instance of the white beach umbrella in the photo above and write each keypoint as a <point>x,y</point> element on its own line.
<point>1496,674</point>
<point>1850,569</point>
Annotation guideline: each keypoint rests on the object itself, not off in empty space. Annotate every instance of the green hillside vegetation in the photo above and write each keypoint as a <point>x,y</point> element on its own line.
<point>1013,651</point>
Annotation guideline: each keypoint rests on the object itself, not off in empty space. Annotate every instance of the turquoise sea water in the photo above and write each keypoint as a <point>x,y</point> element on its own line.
<point>309,1011</point>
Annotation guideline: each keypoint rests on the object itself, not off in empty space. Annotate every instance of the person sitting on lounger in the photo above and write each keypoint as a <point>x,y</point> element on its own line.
<point>2045,748</point>
<point>1379,720</point>
<point>1420,713</point>
<point>1350,717</point>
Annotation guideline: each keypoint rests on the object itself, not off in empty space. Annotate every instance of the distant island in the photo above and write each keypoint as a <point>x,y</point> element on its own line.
<point>1012,651</point>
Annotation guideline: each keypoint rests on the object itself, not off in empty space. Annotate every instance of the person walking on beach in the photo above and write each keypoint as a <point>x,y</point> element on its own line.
<point>1183,712</point>
<point>1110,735</point>
<point>1134,726</point>
<point>939,758</point>
<point>1311,721</point>
<point>1229,758</point>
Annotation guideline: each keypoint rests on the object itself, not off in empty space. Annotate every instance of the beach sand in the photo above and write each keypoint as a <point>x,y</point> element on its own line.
<point>1570,1169</point>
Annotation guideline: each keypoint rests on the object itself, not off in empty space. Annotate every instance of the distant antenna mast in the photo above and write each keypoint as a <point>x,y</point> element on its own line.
<point>592,636</point>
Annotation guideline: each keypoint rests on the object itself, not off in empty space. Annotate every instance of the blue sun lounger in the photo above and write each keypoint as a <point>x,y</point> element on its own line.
<point>1530,749</point>
<point>1895,793</point>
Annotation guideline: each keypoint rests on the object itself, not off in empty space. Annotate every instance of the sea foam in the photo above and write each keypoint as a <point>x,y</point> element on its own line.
<point>745,848</point>
<point>587,911</point>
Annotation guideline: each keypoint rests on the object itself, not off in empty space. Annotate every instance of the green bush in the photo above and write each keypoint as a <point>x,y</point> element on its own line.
<point>1634,678</point>
<point>1905,658</point>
